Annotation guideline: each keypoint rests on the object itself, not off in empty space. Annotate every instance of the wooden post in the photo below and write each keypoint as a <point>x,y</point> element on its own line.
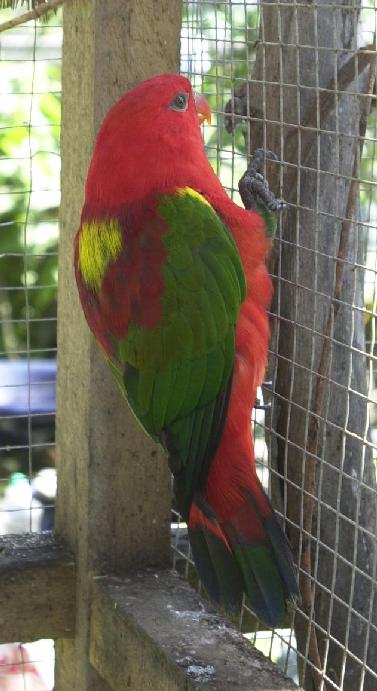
<point>37,588</point>
<point>114,487</point>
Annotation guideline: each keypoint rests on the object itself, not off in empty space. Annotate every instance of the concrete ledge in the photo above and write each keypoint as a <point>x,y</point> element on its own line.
<point>152,632</point>
<point>37,588</point>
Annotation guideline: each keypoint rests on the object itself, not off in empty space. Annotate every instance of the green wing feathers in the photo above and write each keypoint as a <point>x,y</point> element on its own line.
<point>177,374</point>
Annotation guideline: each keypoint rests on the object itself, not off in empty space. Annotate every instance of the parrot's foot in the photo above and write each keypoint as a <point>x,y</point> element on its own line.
<point>253,186</point>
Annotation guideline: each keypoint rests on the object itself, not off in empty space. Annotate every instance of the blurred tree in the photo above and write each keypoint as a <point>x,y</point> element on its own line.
<point>29,202</point>
<point>28,263</point>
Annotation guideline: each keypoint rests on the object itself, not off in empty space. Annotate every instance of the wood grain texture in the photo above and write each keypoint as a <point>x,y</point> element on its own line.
<point>113,498</point>
<point>37,588</point>
<point>152,632</point>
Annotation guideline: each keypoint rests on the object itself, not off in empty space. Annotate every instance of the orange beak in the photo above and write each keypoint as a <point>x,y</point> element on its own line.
<point>202,108</point>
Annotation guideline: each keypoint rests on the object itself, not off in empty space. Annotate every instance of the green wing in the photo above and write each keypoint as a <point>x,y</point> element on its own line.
<point>177,375</point>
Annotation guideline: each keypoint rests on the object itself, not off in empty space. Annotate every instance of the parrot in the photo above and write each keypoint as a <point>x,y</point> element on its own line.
<point>172,279</point>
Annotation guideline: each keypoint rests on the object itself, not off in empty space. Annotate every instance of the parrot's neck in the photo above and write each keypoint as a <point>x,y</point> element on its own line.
<point>124,175</point>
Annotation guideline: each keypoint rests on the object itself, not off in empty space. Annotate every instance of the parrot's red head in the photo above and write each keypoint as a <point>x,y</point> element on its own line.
<point>149,139</point>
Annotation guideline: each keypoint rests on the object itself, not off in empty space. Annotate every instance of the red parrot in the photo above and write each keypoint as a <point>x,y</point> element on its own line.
<point>172,279</point>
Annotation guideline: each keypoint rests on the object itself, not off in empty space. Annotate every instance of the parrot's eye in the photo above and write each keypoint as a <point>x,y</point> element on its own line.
<point>179,102</point>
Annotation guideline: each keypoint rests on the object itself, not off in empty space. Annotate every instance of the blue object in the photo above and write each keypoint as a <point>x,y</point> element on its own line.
<point>27,387</point>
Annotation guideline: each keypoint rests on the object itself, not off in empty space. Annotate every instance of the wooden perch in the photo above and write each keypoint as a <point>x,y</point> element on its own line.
<point>152,631</point>
<point>149,630</point>
<point>37,588</point>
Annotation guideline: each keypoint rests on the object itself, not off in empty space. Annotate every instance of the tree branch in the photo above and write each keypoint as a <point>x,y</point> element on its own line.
<point>238,108</point>
<point>36,13</point>
<point>310,481</point>
<point>350,71</point>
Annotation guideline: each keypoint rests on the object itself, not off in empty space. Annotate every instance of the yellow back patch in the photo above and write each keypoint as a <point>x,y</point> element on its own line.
<point>100,243</point>
<point>189,192</point>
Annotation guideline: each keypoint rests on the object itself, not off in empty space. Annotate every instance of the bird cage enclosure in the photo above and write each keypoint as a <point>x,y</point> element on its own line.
<point>30,86</point>
<point>292,77</point>
<point>302,83</point>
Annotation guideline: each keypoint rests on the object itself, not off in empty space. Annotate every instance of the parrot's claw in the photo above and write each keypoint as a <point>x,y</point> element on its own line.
<point>253,186</point>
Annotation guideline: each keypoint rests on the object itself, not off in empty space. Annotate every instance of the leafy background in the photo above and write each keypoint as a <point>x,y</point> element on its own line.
<point>30,79</point>
<point>218,48</point>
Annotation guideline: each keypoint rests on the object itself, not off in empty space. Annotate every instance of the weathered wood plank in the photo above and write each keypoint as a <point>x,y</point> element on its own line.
<point>152,632</point>
<point>113,503</point>
<point>37,588</point>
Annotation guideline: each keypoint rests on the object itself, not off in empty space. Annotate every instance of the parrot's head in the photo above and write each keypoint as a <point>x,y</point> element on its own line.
<point>149,140</point>
<point>169,99</point>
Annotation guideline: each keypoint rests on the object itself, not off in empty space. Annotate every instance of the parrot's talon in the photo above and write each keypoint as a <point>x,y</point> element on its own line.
<point>253,186</point>
<point>258,158</point>
<point>261,178</point>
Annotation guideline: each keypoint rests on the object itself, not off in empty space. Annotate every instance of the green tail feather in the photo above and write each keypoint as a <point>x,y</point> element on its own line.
<point>264,571</point>
<point>268,569</point>
<point>218,569</point>
<point>283,556</point>
<point>262,582</point>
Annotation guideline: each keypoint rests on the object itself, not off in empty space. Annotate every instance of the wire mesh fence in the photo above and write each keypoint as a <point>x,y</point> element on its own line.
<point>30,83</point>
<point>297,79</point>
<point>30,129</point>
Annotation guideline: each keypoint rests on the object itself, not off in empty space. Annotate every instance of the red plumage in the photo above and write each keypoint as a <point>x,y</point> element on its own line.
<point>237,542</point>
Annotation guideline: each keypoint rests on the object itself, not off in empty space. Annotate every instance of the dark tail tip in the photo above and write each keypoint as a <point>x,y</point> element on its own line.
<point>214,560</point>
<point>249,554</point>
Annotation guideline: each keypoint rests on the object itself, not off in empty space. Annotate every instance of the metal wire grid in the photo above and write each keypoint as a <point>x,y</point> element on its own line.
<point>30,128</point>
<point>218,53</point>
<point>30,58</point>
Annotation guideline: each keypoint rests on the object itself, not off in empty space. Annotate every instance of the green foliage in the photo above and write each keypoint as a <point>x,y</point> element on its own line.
<point>17,3</point>
<point>20,4</point>
<point>28,214</point>
<point>228,33</point>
